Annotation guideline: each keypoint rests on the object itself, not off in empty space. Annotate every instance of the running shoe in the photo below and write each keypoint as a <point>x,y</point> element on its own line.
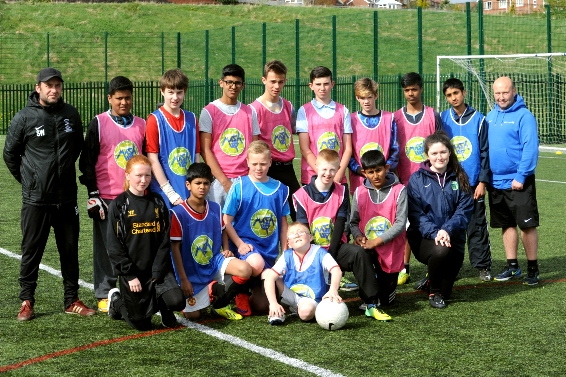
<point>485,274</point>
<point>531,279</point>
<point>436,301</point>
<point>79,308</point>
<point>422,285</point>
<point>508,273</point>
<point>26,311</point>
<point>276,321</point>
<point>347,286</point>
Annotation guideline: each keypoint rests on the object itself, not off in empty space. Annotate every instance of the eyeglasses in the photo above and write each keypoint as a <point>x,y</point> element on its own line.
<point>292,236</point>
<point>237,84</point>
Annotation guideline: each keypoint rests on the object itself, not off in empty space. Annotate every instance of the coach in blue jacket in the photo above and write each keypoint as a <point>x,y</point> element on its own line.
<point>440,207</point>
<point>513,156</point>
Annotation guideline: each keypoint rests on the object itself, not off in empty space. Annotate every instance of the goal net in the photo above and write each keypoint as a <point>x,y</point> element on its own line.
<point>539,78</point>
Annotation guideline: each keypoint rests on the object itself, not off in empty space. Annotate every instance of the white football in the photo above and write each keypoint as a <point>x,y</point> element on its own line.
<point>331,315</point>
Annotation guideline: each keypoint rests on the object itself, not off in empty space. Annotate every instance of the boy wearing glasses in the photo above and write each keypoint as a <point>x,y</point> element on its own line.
<point>227,127</point>
<point>298,278</point>
<point>323,205</point>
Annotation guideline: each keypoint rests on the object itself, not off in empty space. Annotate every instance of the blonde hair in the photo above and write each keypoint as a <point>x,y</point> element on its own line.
<point>138,159</point>
<point>329,155</point>
<point>259,147</point>
<point>365,87</point>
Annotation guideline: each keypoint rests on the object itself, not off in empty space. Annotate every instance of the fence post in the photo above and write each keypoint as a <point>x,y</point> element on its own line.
<point>480,28</point>
<point>297,66</point>
<point>483,101</point>
<point>207,89</point>
<point>550,91</point>
<point>233,45</point>
<point>375,46</point>
<point>400,96</point>
<point>48,49</point>
<point>548,28</point>
<point>420,39</point>
<point>179,50</point>
<point>334,64</point>
<point>468,29</point>
<point>162,53</point>
<point>263,45</point>
<point>105,56</point>
<point>469,39</point>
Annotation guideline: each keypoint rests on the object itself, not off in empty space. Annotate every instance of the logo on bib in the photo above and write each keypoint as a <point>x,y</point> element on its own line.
<point>281,138</point>
<point>124,151</point>
<point>263,223</point>
<point>232,142</point>
<point>303,290</point>
<point>321,230</point>
<point>328,140</point>
<point>179,161</point>
<point>376,226</point>
<point>370,147</point>
<point>415,149</point>
<point>462,146</point>
<point>202,249</point>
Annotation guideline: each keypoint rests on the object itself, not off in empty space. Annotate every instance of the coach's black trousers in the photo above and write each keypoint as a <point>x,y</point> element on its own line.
<point>36,224</point>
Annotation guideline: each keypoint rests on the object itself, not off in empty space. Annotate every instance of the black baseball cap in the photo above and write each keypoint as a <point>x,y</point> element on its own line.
<point>47,74</point>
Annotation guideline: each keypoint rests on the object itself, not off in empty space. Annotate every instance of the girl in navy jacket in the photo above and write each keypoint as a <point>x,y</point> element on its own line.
<point>440,207</point>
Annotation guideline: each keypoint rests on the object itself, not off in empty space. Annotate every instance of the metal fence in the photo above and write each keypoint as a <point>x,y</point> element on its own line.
<point>89,60</point>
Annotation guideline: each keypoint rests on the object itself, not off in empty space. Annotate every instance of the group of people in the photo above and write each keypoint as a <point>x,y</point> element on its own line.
<point>178,234</point>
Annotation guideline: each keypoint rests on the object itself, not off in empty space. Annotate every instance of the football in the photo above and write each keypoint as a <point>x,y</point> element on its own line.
<point>331,315</point>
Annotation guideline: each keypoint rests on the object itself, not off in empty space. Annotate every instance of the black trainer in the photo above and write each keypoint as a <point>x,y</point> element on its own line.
<point>113,296</point>
<point>422,285</point>
<point>436,301</point>
<point>168,319</point>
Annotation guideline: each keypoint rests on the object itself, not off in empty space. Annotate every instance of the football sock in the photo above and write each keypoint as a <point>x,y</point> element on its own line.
<point>532,266</point>
<point>512,263</point>
<point>239,285</point>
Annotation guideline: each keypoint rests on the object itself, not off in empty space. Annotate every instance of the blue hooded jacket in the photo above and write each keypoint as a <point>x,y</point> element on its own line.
<point>513,144</point>
<point>436,201</point>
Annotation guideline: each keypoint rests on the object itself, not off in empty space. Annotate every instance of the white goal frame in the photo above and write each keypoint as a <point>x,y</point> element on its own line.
<point>470,57</point>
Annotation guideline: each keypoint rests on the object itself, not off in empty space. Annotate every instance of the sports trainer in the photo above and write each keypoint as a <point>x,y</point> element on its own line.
<point>513,155</point>
<point>43,142</point>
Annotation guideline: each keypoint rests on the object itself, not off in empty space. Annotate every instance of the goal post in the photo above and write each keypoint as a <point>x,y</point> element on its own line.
<point>539,78</point>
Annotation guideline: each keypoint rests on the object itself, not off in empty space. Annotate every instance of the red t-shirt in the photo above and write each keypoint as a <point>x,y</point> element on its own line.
<point>176,232</point>
<point>152,132</point>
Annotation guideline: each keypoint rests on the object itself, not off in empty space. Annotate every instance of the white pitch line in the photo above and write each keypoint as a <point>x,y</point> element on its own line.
<point>545,180</point>
<point>277,356</point>
<point>46,268</point>
<point>269,353</point>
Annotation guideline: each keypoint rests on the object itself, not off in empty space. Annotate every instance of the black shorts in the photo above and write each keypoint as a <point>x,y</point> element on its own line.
<point>511,208</point>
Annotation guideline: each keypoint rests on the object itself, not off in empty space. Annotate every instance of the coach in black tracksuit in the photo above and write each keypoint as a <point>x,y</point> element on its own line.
<point>43,142</point>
